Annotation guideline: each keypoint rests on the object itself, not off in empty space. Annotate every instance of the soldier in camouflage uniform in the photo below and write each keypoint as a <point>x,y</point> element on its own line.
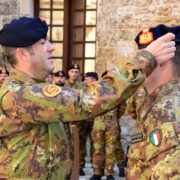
<point>74,82</point>
<point>59,78</point>
<point>155,148</point>
<point>135,102</point>
<point>89,77</point>
<point>49,79</point>
<point>4,73</point>
<point>105,135</point>
<point>119,152</point>
<point>33,141</point>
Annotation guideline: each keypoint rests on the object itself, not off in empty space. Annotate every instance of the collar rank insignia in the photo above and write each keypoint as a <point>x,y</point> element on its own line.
<point>146,36</point>
<point>51,90</point>
<point>156,137</point>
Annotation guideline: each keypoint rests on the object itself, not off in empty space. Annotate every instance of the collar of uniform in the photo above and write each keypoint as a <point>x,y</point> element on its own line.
<point>21,76</point>
<point>164,89</point>
<point>150,100</point>
<point>39,81</point>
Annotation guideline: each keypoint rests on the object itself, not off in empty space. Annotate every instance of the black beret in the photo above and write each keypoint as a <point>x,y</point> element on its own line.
<point>60,74</point>
<point>92,74</point>
<point>75,66</point>
<point>104,73</point>
<point>147,35</point>
<point>23,32</point>
<point>4,71</point>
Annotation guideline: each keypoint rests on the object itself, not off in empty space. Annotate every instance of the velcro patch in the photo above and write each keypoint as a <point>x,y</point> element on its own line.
<point>136,138</point>
<point>51,90</point>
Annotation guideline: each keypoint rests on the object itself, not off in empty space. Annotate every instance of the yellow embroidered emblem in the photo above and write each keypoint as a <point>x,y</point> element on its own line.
<point>76,66</point>
<point>3,71</point>
<point>146,36</point>
<point>51,90</point>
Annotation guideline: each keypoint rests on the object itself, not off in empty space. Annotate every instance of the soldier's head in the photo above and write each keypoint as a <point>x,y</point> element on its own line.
<point>74,72</point>
<point>165,71</point>
<point>49,78</point>
<point>4,73</point>
<point>59,78</point>
<point>90,77</point>
<point>26,47</point>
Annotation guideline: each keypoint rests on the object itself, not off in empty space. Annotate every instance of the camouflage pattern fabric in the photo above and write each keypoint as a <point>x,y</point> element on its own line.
<point>33,139</point>
<point>85,132</point>
<point>106,138</point>
<point>157,155</point>
<point>84,128</point>
<point>135,102</point>
<point>119,152</point>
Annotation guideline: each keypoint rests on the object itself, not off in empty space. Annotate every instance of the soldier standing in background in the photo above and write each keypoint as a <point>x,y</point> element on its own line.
<point>33,142</point>
<point>89,77</point>
<point>4,73</point>
<point>73,77</point>
<point>59,78</point>
<point>106,138</point>
<point>155,148</point>
<point>49,79</point>
<point>74,82</point>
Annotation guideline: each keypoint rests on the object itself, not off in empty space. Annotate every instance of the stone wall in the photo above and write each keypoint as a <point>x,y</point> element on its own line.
<point>11,9</point>
<point>118,22</point>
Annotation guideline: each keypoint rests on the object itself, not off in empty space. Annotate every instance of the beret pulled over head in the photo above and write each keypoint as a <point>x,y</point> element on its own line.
<point>74,66</point>
<point>23,32</point>
<point>92,74</point>
<point>60,74</point>
<point>147,35</point>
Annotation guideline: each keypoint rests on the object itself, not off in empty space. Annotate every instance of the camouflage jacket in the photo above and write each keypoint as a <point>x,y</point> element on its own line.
<point>109,120</point>
<point>135,102</point>
<point>158,126</point>
<point>77,85</point>
<point>33,141</point>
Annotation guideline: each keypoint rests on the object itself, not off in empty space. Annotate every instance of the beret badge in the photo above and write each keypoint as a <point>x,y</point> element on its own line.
<point>146,36</point>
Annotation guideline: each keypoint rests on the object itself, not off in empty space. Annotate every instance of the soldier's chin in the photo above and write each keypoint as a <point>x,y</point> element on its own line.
<point>51,68</point>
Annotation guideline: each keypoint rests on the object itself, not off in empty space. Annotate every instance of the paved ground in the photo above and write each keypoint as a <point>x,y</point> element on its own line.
<point>89,171</point>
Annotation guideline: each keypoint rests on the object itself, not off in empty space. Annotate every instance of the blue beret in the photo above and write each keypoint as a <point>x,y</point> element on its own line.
<point>60,74</point>
<point>75,66</point>
<point>23,32</point>
<point>147,35</point>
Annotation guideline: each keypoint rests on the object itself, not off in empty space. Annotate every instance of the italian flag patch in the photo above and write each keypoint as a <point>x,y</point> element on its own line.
<point>155,137</point>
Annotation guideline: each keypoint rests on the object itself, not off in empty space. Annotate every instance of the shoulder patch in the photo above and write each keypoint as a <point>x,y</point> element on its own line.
<point>51,90</point>
<point>156,137</point>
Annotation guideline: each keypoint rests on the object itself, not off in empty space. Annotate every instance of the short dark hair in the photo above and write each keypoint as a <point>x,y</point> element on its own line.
<point>176,61</point>
<point>10,55</point>
<point>92,74</point>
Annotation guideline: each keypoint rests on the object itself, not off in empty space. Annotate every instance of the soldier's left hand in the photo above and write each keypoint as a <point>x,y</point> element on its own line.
<point>163,49</point>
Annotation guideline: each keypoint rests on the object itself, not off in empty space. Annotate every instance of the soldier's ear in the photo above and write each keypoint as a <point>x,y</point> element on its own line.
<point>22,54</point>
